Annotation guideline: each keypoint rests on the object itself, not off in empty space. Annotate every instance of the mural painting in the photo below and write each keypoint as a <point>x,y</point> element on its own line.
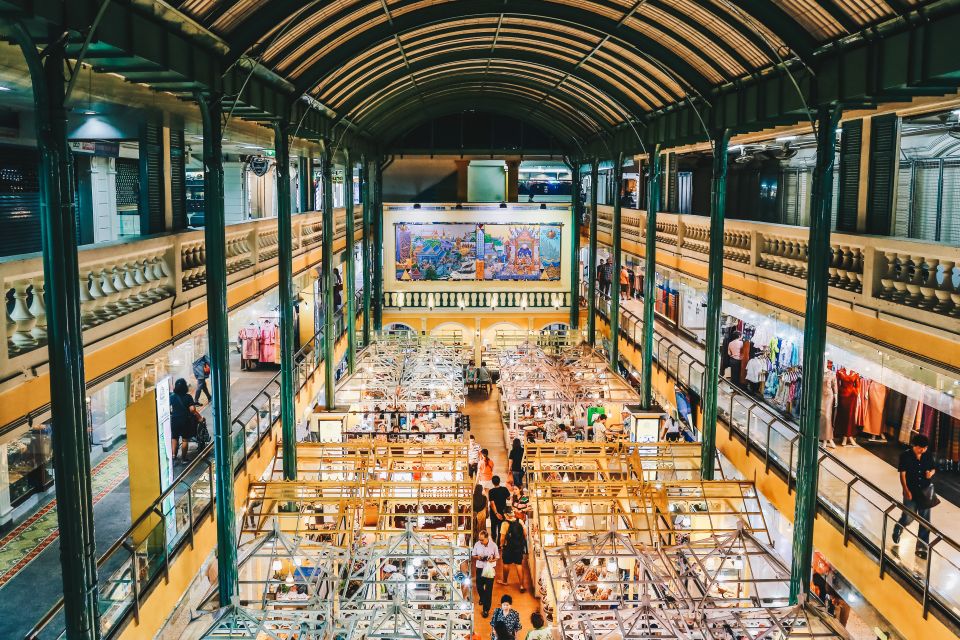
<point>476,251</point>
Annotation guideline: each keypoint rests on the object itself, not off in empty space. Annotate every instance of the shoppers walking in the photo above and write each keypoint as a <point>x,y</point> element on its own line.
<point>624,283</point>
<point>485,470</point>
<point>184,418</point>
<point>540,631</point>
<point>201,371</point>
<point>607,277</point>
<point>485,553</point>
<point>480,510</point>
<point>601,274</point>
<point>917,469</point>
<point>499,496</point>
<point>507,616</point>
<point>516,462</point>
<point>513,542</point>
<point>473,455</point>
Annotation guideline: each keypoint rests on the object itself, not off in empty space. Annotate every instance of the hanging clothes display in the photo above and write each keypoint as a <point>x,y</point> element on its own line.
<point>875,396</point>
<point>846,424</point>
<point>248,341</point>
<point>828,404</point>
<point>269,343</point>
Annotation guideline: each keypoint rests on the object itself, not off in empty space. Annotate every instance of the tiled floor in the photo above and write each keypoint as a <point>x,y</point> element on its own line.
<point>486,426</point>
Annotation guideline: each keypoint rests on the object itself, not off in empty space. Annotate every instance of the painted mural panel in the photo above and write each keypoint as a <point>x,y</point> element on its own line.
<point>477,251</point>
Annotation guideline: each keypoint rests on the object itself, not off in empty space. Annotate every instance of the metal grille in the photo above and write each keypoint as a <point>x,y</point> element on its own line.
<point>128,183</point>
<point>178,179</point>
<point>19,200</point>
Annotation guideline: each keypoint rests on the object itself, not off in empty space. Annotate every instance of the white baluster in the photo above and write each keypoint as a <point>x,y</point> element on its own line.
<point>38,309</point>
<point>87,303</point>
<point>22,338</point>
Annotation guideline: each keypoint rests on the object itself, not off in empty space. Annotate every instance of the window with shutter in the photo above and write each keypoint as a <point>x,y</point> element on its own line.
<point>178,179</point>
<point>848,188</point>
<point>884,141</point>
<point>672,192</point>
<point>151,179</point>
<point>926,200</point>
<point>19,200</point>
<point>788,209</point>
<point>950,203</point>
<point>904,205</point>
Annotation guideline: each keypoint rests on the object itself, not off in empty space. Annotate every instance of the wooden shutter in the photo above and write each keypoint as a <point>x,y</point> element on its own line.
<point>884,141</point>
<point>672,192</point>
<point>904,209</point>
<point>848,189</point>
<point>950,203</point>
<point>178,179</point>
<point>151,179</point>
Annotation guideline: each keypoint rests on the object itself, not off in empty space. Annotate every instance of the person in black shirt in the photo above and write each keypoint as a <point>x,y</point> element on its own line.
<point>499,496</point>
<point>916,469</point>
<point>516,462</point>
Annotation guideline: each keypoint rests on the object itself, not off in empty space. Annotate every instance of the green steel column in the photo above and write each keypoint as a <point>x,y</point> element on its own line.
<point>350,290</point>
<point>617,262</point>
<point>649,281</point>
<point>592,260</point>
<point>378,248</point>
<point>718,204</point>
<point>218,347</point>
<point>288,391</point>
<point>365,246</point>
<point>814,342</point>
<point>326,271</point>
<point>70,439</point>
<point>576,213</point>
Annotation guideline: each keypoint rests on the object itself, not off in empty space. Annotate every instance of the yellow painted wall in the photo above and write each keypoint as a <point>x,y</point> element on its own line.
<point>896,604</point>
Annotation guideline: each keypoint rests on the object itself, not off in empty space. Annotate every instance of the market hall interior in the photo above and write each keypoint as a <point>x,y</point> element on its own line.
<point>276,273</point>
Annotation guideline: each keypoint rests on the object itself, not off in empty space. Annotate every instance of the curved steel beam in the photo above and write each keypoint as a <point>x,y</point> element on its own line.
<point>573,121</point>
<point>495,103</point>
<point>600,85</point>
<point>575,16</point>
<point>637,76</point>
<point>479,75</point>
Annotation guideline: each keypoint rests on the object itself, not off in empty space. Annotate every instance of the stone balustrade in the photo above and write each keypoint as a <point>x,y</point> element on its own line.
<point>505,300</point>
<point>908,278</point>
<point>125,282</point>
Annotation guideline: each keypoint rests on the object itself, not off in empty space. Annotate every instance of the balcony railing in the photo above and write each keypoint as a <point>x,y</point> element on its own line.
<point>907,278</point>
<point>131,566</point>
<point>124,283</point>
<point>861,510</point>
<point>507,300</point>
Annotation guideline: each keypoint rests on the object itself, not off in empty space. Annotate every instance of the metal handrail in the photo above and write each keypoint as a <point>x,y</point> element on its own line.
<point>202,457</point>
<point>922,583</point>
<point>926,523</point>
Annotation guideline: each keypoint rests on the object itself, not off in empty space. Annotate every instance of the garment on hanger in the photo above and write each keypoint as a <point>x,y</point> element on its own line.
<point>845,423</point>
<point>269,349</point>
<point>249,339</point>
<point>828,403</point>
<point>875,398</point>
<point>908,424</point>
<point>744,360</point>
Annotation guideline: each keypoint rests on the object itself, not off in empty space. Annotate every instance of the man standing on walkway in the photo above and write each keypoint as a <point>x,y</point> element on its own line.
<point>499,496</point>
<point>917,469</point>
<point>473,455</point>
<point>485,553</point>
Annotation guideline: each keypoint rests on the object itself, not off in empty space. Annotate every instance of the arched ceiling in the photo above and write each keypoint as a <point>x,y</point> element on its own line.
<point>578,68</point>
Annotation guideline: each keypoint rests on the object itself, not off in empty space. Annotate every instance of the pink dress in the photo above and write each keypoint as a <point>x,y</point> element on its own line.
<point>268,344</point>
<point>249,343</point>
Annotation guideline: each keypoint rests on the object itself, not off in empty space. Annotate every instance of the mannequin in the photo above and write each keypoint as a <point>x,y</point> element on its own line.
<point>828,406</point>
<point>249,342</point>
<point>846,423</point>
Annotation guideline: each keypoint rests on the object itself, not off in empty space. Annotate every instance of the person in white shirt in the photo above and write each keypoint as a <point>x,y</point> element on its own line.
<point>473,455</point>
<point>485,553</point>
<point>600,428</point>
